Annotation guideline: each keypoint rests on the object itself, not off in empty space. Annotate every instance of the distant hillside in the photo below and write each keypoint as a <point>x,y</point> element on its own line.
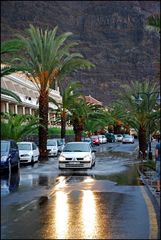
<point>111,34</point>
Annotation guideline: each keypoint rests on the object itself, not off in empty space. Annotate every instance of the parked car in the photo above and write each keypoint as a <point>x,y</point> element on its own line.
<point>28,151</point>
<point>61,143</point>
<point>77,155</point>
<point>119,137</point>
<point>110,137</point>
<point>52,147</point>
<point>128,138</point>
<point>87,139</point>
<point>9,155</point>
<point>95,140</point>
<point>102,138</point>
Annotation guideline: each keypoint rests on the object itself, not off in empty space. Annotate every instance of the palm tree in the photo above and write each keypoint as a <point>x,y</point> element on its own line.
<point>140,116</point>
<point>116,117</point>
<point>97,119</point>
<point>17,126</point>
<point>9,47</point>
<point>48,58</point>
<point>79,114</point>
<point>68,97</point>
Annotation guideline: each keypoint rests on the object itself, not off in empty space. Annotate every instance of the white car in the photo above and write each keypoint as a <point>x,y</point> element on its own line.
<point>52,147</point>
<point>128,138</point>
<point>119,137</point>
<point>102,138</point>
<point>77,155</point>
<point>61,144</point>
<point>28,152</point>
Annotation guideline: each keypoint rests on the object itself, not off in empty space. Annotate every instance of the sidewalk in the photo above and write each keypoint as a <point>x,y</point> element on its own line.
<point>149,180</point>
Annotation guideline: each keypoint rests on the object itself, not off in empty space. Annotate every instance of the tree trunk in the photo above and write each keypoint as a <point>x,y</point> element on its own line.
<point>78,126</point>
<point>63,124</point>
<point>43,131</point>
<point>142,142</point>
<point>117,129</point>
<point>78,135</point>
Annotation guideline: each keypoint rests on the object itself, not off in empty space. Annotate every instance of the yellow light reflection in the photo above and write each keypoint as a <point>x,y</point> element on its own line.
<point>61,215</point>
<point>89,214</point>
<point>89,180</point>
<point>61,183</point>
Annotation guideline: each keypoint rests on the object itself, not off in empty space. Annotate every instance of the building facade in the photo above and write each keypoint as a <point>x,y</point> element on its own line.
<point>28,93</point>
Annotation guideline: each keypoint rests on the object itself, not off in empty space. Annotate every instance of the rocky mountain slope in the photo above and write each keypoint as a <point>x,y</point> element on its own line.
<point>112,34</point>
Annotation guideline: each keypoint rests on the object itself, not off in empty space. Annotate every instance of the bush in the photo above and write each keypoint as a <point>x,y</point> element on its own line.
<point>57,131</point>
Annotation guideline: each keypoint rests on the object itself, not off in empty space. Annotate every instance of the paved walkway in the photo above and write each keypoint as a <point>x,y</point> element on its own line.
<point>149,179</point>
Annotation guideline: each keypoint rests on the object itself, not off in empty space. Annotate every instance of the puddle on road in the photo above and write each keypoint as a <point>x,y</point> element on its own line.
<point>128,177</point>
<point>120,170</point>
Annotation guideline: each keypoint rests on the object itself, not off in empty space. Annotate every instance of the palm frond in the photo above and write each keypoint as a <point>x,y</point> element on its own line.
<point>11,94</point>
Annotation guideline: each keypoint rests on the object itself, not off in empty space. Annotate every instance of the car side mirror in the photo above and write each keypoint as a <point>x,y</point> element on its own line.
<point>94,150</point>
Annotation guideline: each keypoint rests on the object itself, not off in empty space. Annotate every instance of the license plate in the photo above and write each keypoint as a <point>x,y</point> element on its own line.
<point>75,162</point>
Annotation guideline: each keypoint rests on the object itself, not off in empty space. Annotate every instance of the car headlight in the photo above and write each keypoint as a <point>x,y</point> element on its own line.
<point>87,158</point>
<point>3,158</point>
<point>61,158</point>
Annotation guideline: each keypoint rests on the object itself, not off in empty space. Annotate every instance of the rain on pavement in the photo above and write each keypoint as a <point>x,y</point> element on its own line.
<point>105,202</point>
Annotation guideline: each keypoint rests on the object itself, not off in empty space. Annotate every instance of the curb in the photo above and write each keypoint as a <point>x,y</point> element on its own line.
<point>151,189</point>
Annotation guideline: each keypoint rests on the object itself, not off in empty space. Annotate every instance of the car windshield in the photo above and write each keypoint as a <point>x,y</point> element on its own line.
<point>24,146</point>
<point>51,143</point>
<point>127,136</point>
<point>60,142</point>
<point>72,147</point>
<point>4,147</point>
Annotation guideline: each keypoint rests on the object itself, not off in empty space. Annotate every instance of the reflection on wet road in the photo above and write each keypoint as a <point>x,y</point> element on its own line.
<point>94,209</point>
<point>105,202</point>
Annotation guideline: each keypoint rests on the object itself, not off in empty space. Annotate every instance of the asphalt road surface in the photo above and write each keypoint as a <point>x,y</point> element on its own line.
<point>106,202</point>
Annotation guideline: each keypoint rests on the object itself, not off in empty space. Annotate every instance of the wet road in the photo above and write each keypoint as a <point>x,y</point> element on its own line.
<point>106,202</point>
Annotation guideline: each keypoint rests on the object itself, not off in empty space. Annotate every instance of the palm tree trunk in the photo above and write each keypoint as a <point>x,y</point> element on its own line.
<point>78,129</point>
<point>142,142</point>
<point>43,128</point>
<point>63,124</point>
<point>117,129</point>
<point>78,135</point>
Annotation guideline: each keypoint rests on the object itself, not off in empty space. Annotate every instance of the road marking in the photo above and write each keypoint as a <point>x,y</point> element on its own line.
<point>153,234</point>
<point>20,209</point>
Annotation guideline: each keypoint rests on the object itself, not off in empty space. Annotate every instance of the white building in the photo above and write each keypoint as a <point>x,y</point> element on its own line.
<point>28,93</point>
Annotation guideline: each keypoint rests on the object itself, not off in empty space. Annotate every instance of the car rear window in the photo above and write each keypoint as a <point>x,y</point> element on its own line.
<point>51,143</point>
<point>24,146</point>
<point>4,147</point>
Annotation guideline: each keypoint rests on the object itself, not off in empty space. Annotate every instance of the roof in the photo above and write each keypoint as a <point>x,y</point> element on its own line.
<point>90,99</point>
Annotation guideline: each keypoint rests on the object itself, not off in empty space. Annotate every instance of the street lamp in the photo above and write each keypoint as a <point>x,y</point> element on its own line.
<point>139,100</point>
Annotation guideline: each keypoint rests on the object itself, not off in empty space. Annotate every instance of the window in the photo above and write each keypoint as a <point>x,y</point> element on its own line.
<point>34,147</point>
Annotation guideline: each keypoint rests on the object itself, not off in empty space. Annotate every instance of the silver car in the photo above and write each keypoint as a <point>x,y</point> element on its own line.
<point>128,138</point>
<point>52,147</point>
<point>77,155</point>
<point>119,137</point>
<point>28,151</point>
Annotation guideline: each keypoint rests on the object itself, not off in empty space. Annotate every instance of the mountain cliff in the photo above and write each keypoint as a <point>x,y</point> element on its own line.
<point>112,34</point>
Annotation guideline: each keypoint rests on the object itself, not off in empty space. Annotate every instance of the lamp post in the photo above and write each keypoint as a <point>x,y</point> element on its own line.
<point>139,100</point>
